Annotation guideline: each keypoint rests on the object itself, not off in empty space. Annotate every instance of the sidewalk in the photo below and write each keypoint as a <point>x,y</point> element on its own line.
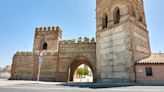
<point>5,82</point>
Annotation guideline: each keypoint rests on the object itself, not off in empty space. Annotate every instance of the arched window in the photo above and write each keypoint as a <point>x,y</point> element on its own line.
<point>116,15</point>
<point>133,12</point>
<point>45,46</point>
<point>105,21</point>
<point>140,19</point>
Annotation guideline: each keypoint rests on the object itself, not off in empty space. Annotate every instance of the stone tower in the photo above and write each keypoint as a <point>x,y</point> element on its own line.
<point>122,39</point>
<point>47,39</point>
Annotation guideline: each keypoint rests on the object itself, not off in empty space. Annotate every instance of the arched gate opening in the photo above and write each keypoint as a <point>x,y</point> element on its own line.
<point>74,66</point>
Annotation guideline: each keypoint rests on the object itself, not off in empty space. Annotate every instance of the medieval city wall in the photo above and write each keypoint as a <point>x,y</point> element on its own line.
<point>25,66</point>
<point>56,65</point>
<point>121,40</point>
<point>75,53</point>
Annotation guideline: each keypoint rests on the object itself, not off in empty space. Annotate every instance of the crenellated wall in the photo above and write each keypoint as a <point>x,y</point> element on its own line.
<point>50,36</point>
<point>122,39</point>
<point>56,64</point>
<point>74,53</point>
<point>25,66</point>
<point>79,40</point>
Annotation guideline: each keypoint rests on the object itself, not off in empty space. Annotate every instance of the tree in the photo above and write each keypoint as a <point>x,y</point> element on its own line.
<point>86,71</point>
<point>83,71</point>
<point>80,71</point>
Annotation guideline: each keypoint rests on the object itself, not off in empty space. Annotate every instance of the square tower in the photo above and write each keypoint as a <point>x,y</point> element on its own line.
<point>47,39</point>
<point>122,39</point>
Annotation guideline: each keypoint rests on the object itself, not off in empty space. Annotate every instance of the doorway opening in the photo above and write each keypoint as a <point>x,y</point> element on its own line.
<point>81,70</point>
<point>83,73</point>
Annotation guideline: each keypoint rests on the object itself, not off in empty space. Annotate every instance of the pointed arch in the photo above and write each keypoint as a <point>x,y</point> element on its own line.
<point>76,63</point>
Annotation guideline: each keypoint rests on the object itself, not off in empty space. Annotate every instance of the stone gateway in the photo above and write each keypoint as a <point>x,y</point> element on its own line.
<point>121,40</point>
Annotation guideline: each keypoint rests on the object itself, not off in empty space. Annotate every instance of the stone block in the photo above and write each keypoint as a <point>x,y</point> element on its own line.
<point>119,68</point>
<point>119,35</point>
<point>120,75</point>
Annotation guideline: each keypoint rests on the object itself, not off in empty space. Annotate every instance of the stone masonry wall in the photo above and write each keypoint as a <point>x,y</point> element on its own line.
<point>25,66</point>
<point>49,35</point>
<point>114,58</point>
<point>119,45</point>
<point>56,64</point>
<point>71,51</point>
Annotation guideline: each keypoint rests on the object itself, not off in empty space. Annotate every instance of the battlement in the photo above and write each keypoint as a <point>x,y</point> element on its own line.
<point>80,40</point>
<point>47,37</point>
<point>27,53</point>
<point>24,53</point>
<point>49,30</point>
<point>43,29</point>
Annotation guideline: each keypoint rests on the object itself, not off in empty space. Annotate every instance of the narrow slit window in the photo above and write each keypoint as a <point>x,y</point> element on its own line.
<point>105,21</point>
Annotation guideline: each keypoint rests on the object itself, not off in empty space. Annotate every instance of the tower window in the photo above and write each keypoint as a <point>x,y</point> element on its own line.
<point>133,13</point>
<point>105,21</point>
<point>116,15</point>
<point>140,19</point>
<point>45,46</point>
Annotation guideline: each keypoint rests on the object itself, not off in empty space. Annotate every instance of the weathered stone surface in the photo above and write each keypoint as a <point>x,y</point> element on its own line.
<point>120,44</point>
<point>121,40</point>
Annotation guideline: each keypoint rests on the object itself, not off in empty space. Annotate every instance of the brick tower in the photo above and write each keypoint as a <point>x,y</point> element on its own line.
<point>122,39</point>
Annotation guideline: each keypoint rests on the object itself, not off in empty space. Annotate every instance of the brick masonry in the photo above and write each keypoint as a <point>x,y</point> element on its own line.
<point>158,74</point>
<point>156,62</point>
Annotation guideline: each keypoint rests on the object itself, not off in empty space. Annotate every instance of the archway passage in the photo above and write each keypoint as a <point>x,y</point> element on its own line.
<point>75,65</point>
<point>83,73</point>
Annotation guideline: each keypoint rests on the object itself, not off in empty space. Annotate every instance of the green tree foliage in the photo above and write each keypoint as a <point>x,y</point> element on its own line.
<point>82,71</point>
<point>86,71</point>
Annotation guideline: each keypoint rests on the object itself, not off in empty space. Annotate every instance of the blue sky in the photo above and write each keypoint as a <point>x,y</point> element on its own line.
<point>19,18</point>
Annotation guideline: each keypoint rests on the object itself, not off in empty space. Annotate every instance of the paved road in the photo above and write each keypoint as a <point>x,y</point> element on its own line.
<point>27,86</point>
